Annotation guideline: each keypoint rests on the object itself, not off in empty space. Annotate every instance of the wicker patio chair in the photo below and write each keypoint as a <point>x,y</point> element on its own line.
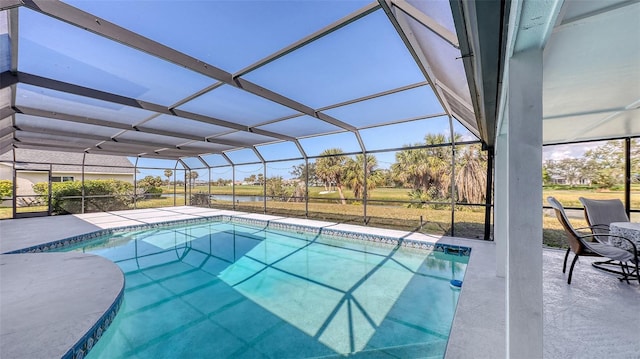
<point>580,245</point>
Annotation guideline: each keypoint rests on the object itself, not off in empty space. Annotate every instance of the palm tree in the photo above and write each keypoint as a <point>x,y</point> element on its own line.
<point>425,170</point>
<point>330,169</point>
<point>168,174</point>
<point>354,175</point>
<point>192,176</point>
<point>471,177</point>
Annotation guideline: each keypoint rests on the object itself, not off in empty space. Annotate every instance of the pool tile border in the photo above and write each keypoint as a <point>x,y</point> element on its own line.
<point>270,224</point>
<point>86,343</point>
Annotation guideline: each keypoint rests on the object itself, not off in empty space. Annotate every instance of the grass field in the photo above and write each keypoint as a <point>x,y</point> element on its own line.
<point>468,221</point>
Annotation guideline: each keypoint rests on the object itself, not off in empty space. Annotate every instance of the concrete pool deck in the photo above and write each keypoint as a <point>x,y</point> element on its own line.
<point>577,322</point>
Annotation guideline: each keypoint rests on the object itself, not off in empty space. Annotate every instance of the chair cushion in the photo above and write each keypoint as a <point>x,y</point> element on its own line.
<point>612,252</point>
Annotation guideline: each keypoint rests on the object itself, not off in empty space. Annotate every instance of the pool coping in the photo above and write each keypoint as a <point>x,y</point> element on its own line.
<point>84,304</point>
<point>466,330</point>
<point>405,241</point>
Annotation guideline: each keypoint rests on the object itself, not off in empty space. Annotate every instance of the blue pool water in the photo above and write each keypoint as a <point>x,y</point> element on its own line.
<point>223,290</point>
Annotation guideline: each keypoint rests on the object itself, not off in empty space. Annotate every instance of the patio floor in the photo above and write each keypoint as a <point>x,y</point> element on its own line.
<point>596,316</point>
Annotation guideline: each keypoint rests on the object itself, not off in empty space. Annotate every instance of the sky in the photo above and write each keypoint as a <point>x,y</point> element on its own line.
<point>559,152</point>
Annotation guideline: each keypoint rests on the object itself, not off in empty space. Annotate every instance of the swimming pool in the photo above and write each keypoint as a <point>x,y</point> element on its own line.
<point>230,290</point>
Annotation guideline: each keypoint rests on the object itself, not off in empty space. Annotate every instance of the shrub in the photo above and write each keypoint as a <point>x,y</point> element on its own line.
<point>150,182</point>
<point>152,192</point>
<point>102,195</point>
<point>276,189</point>
<point>6,189</point>
<point>200,199</point>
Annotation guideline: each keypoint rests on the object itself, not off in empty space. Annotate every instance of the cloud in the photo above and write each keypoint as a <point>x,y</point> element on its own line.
<point>560,152</point>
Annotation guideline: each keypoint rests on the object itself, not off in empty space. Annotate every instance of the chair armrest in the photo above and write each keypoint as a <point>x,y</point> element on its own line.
<point>596,226</point>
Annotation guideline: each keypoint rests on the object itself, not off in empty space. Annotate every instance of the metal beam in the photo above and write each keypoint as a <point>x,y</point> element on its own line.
<point>486,22</point>
<point>416,52</point>
<point>6,112</point>
<point>224,155</point>
<point>7,79</point>
<point>258,154</point>
<point>627,176</point>
<point>12,17</point>
<point>6,131</point>
<point>302,151</point>
<point>9,4</point>
<point>428,22</point>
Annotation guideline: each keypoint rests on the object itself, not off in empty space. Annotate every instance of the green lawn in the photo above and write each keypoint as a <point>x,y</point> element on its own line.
<point>468,220</point>
<point>388,194</point>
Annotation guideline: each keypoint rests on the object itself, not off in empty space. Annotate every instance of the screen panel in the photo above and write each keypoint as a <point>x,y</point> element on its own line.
<point>346,64</point>
<point>346,141</point>
<point>404,133</point>
<point>65,103</point>
<point>301,127</point>
<point>238,106</point>
<point>279,151</point>
<point>274,25</point>
<point>86,59</point>
<point>408,104</point>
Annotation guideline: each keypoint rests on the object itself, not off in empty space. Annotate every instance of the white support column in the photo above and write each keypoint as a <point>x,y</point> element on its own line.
<point>501,209</point>
<point>524,323</point>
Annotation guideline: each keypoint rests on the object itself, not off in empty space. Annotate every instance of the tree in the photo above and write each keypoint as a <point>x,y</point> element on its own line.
<point>150,181</point>
<point>471,180</point>
<point>354,175</point>
<point>546,177</point>
<point>168,174</point>
<point>150,186</point>
<point>276,189</point>
<point>300,172</point>
<point>330,169</point>
<point>605,163</point>
<point>192,176</point>
<point>426,171</point>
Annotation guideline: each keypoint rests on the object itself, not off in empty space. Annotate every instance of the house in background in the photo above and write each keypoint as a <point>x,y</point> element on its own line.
<point>32,166</point>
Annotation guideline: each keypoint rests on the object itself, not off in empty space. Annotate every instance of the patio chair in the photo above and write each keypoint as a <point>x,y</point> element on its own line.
<point>579,244</point>
<point>600,213</point>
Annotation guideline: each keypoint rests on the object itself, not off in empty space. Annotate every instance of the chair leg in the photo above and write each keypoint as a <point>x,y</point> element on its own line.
<point>564,266</point>
<point>575,259</point>
<point>625,273</point>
